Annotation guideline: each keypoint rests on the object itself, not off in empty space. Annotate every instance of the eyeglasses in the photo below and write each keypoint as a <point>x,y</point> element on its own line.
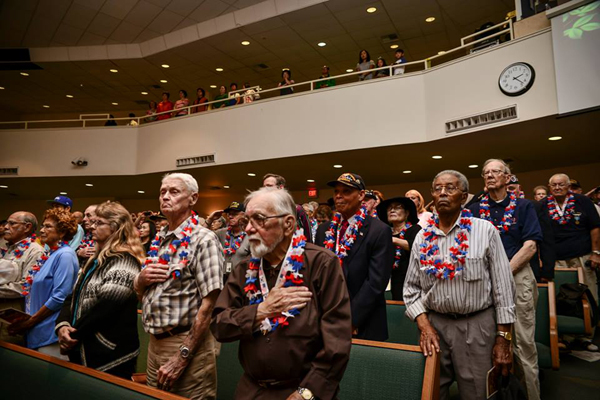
<point>259,220</point>
<point>450,189</point>
<point>494,172</point>
<point>13,223</point>
<point>98,223</point>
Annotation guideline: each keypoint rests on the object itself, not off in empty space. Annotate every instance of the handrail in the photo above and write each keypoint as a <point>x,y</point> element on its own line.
<point>426,63</point>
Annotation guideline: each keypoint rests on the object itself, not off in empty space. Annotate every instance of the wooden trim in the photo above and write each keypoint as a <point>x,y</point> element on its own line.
<point>394,303</point>
<point>554,353</point>
<point>386,345</point>
<point>103,376</point>
<point>565,269</point>
<point>587,315</point>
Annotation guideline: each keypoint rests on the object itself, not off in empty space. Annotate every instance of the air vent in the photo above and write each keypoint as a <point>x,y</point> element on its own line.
<point>389,38</point>
<point>487,118</point>
<point>262,66</point>
<point>9,171</point>
<point>199,160</point>
<point>157,86</point>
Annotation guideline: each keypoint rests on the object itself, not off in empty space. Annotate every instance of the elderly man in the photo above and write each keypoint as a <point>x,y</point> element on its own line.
<point>87,246</point>
<point>287,305</point>
<point>3,229</point>
<point>16,260</point>
<point>460,291</point>
<point>178,286</point>
<point>517,222</point>
<point>65,203</point>
<point>576,227</point>
<point>233,238</point>
<point>364,246</point>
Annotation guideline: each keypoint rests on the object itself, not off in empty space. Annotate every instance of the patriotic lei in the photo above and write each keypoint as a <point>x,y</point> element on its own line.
<point>374,213</point>
<point>398,253</point>
<point>232,247</point>
<point>87,241</point>
<point>567,214</point>
<point>507,220</point>
<point>292,277</point>
<point>26,286</point>
<point>174,246</point>
<point>21,247</point>
<point>345,243</point>
<point>431,260</point>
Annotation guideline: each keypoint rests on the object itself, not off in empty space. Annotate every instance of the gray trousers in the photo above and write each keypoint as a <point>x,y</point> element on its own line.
<point>466,352</point>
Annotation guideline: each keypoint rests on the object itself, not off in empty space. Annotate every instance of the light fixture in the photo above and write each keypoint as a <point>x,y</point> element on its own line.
<point>81,85</point>
<point>115,104</point>
<point>1,87</point>
<point>349,70</point>
<point>89,184</point>
<point>213,86</point>
<point>554,138</point>
<point>407,171</point>
<point>441,52</point>
<point>321,44</point>
<point>436,157</point>
<point>144,93</point>
<point>46,106</point>
<point>429,19</point>
<point>251,174</point>
<point>141,192</point>
<point>310,180</point>
<point>163,81</point>
<point>24,74</point>
<point>245,43</point>
<point>225,186</point>
<point>165,65</point>
<point>394,46</point>
<point>63,193</point>
<point>219,69</point>
<point>114,71</point>
<point>473,166</point>
<point>371,10</point>
<point>337,166</point>
<point>70,96</point>
<point>3,187</point>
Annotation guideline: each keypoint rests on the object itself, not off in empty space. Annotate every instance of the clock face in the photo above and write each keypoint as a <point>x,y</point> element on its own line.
<point>516,79</point>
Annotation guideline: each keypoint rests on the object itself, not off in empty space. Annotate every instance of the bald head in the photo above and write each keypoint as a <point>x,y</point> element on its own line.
<point>19,226</point>
<point>78,216</point>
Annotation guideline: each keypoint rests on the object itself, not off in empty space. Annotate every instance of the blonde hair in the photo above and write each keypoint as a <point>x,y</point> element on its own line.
<point>421,207</point>
<point>124,238</point>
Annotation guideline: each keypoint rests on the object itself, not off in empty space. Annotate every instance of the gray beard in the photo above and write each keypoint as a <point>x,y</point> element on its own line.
<point>260,250</point>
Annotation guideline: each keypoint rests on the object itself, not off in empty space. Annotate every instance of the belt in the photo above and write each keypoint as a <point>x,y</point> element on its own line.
<point>272,383</point>
<point>461,316</point>
<point>175,331</point>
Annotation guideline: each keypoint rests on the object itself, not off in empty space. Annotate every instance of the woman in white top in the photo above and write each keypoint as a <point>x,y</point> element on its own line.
<point>364,64</point>
<point>423,214</point>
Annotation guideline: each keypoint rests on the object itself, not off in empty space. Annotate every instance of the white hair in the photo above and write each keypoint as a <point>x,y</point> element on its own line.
<point>189,181</point>
<point>283,202</point>
<point>563,176</point>
<point>462,180</point>
<point>504,164</point>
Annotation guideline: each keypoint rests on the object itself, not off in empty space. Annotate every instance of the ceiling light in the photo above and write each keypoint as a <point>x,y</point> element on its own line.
<point>141,192</point>
<point>553,138</point>
<point>407,171</point>
<point>337,166</point>
<point>441,52</point>
<point>24,74</point>
<point>115,104</point>
<point>114,71</point>
<point>163,81</point>
<point>349,70</point>
<point>251,174</point>
<point>310,180</point>
<point>81,85</point>
<point>245,43</point>
<point>1,87</point>
<point>213,86</point>
<point>394,46</point>
<point>165,65</point>
<point>3,187</point>
<point>429,19</point>
<point>436,157</point>
<point>473,166</point>
<point>321,44</point>
<point>89,184</point>
<point>70,96</point>
<point>63,193</point>
<point>371,10</point>
<point>46,106</point>
<point>225,186</point>
<point>144,93</point>
<point>219,69</point>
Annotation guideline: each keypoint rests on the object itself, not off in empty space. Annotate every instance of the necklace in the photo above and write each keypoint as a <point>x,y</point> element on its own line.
<point>507,220</point>
<point>398,253</point>
<point>26,286</point>
<point>431,260</point>
<point>20,247</point>
<point>341,246</point>
<point>232,247</point>
<point>567,214</point>
<point>289,276</point>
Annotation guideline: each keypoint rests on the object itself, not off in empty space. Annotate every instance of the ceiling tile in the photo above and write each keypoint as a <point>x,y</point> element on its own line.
<point>90,39</point>
<point>208,10</point>
<point>67,35</point>
<point>103,25</point>
<point>126,32</point>
<point>165,22</point>
<point>79,16</point>
<point>93,4</point>
<point>143,13</point>
<point>183,7</point>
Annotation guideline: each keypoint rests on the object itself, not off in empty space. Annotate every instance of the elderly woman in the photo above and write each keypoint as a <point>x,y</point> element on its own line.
<point>401,214</point>
<point>422,213</point>
<point>49,283</point>
<point>540,192</point>
<point>97,326</point>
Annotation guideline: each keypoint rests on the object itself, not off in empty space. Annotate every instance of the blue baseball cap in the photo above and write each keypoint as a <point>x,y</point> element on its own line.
<point>62,200</point>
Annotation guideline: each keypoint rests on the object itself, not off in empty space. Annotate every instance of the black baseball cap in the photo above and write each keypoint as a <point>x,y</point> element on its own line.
<point>158,217</point>
<point>349,179</point>
<point>235,206</point>
<point>513,180</point>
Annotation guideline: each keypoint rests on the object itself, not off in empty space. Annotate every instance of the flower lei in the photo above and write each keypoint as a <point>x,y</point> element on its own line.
<point>174,246</point>
<point>398,253</point>
<point>345,243</point>
<point>290,273</point>
<point>87,241</point>
<point>20,248</point>
<point>507,220</point>
<point>567,214</point>
<point>431,260</point>
<point>26,286</point>
<point>232,247</point>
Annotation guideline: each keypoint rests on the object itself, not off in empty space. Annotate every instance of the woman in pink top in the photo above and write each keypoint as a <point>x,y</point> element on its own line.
<point>181,104</point>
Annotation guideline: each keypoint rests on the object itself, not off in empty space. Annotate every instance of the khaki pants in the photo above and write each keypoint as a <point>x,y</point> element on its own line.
<point>199,379</point>
<point>524,350</point>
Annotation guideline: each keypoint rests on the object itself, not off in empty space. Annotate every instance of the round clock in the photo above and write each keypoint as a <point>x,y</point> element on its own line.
<point>516,79</point>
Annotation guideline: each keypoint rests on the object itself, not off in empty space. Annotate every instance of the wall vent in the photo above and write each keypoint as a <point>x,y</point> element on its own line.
<point>199,160</point>
<point>486,118</point>
<point>9,171</point>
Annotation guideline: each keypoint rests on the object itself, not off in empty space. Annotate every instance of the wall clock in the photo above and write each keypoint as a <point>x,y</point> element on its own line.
<point>516,79</point>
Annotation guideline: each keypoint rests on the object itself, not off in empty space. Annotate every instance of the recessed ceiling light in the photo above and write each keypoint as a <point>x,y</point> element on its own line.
<point>225,186</point>
<point>3,187</point>
<point>473,166</point>
<point>251,174</point>
<point>349,70</point>
<point>144,93</point>
<point>429,19</point>
<point>141,192</point>
<point>63,193</point>
<point>245,43</point>
<point>24,74</point>
<point>321,44</point>
<point>46,106</point>
<point>114,71</point>
<point>553,138</point>
<point>310,180</point>
<point>70,96</point>
<point>371,10</point>
<point>89,184</point>
<point>165,65</point>
<point>115,104</point>
<point>213,86</point>
<point>219,69</point>
<point>407,171</point>
<point>163,81</point>
<point>81,84</point>
<point>1,87</point>
<point>436,157</point>
<point>394,46</point>
<point>285,69</point>
<point>337,166</point>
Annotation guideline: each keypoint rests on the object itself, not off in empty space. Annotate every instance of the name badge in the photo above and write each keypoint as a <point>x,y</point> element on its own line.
<point>228,266</point>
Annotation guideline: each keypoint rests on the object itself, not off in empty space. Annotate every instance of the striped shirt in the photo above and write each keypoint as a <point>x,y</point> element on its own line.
<point>176,302</point>
<point>486,280</point>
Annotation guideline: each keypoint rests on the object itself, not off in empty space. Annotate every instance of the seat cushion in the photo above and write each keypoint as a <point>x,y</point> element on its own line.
<point>570,325</point>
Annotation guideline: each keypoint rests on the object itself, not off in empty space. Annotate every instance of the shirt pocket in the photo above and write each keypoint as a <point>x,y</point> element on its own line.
<point>474,273</point>
<point>474,269</point>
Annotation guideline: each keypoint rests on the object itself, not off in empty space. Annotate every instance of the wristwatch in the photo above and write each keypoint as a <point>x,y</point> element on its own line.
<point>505,335</point>
<point>306,393</point>
<point>596,252</point>
<point>184,352</point>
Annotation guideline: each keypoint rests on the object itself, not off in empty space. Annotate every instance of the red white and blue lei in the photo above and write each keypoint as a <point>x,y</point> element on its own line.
<point>231,247</point>
<point>256,288</point>
<point>509,212</point>
<point>87,241</point>
<point>341,246</point>
<point>431,260</point>
<point>20,248</point>
<point>176,245</point>
<point>26,286</point>
<point>398,253</point>
<point>567,214</point>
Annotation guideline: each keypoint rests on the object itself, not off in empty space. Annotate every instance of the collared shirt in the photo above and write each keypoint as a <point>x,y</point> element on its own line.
<point>13,270</point>
<point>486,280</point>
<point>525,227</point>
<point>76,241</point>
<point>176,302</point>
<point>232,260</point>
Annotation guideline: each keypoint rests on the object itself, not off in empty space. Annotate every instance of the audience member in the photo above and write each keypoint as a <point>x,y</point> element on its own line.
<point>399,54</point>
<point>151,112</point>
<point>97,326</point>
<point>364,246</point>
<point>382,73</point>
<point>460,278</point>
<point>575,186</point>
<point>234,98</point>
<point>178,286</point>
<point>286,74</point>
<point>234,238</point>
<point>323,214</point>
<point>422,213</point>
<point>164,106</point>
<point>110,121</point>
<point>132,121</point>
<point>181,104</point>
<point>221,96</point>
<point>147,234</point>
<point>201,99</point>
<point>78,217</point>
<point>48,283</point>
<point>250,94</point>
<point>303,357</point>
<point>3,227</point>
<point>540,192</point>
<point>218,223</point>
<point>87,248</point>
<point>593,194</point>
<point>517,222</point>
<point>159,220</point>
<point>325,82</point>
<point>401,214</point>
<point>365,64</point>
<point>372,199</point>
<point>65,203</point>
<point>16,261</point>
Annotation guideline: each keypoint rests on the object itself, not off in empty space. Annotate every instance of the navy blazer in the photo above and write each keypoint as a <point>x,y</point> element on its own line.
<point>367,269</point>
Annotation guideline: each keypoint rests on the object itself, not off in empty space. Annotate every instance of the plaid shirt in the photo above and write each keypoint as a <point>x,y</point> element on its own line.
<point>176,302</point>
